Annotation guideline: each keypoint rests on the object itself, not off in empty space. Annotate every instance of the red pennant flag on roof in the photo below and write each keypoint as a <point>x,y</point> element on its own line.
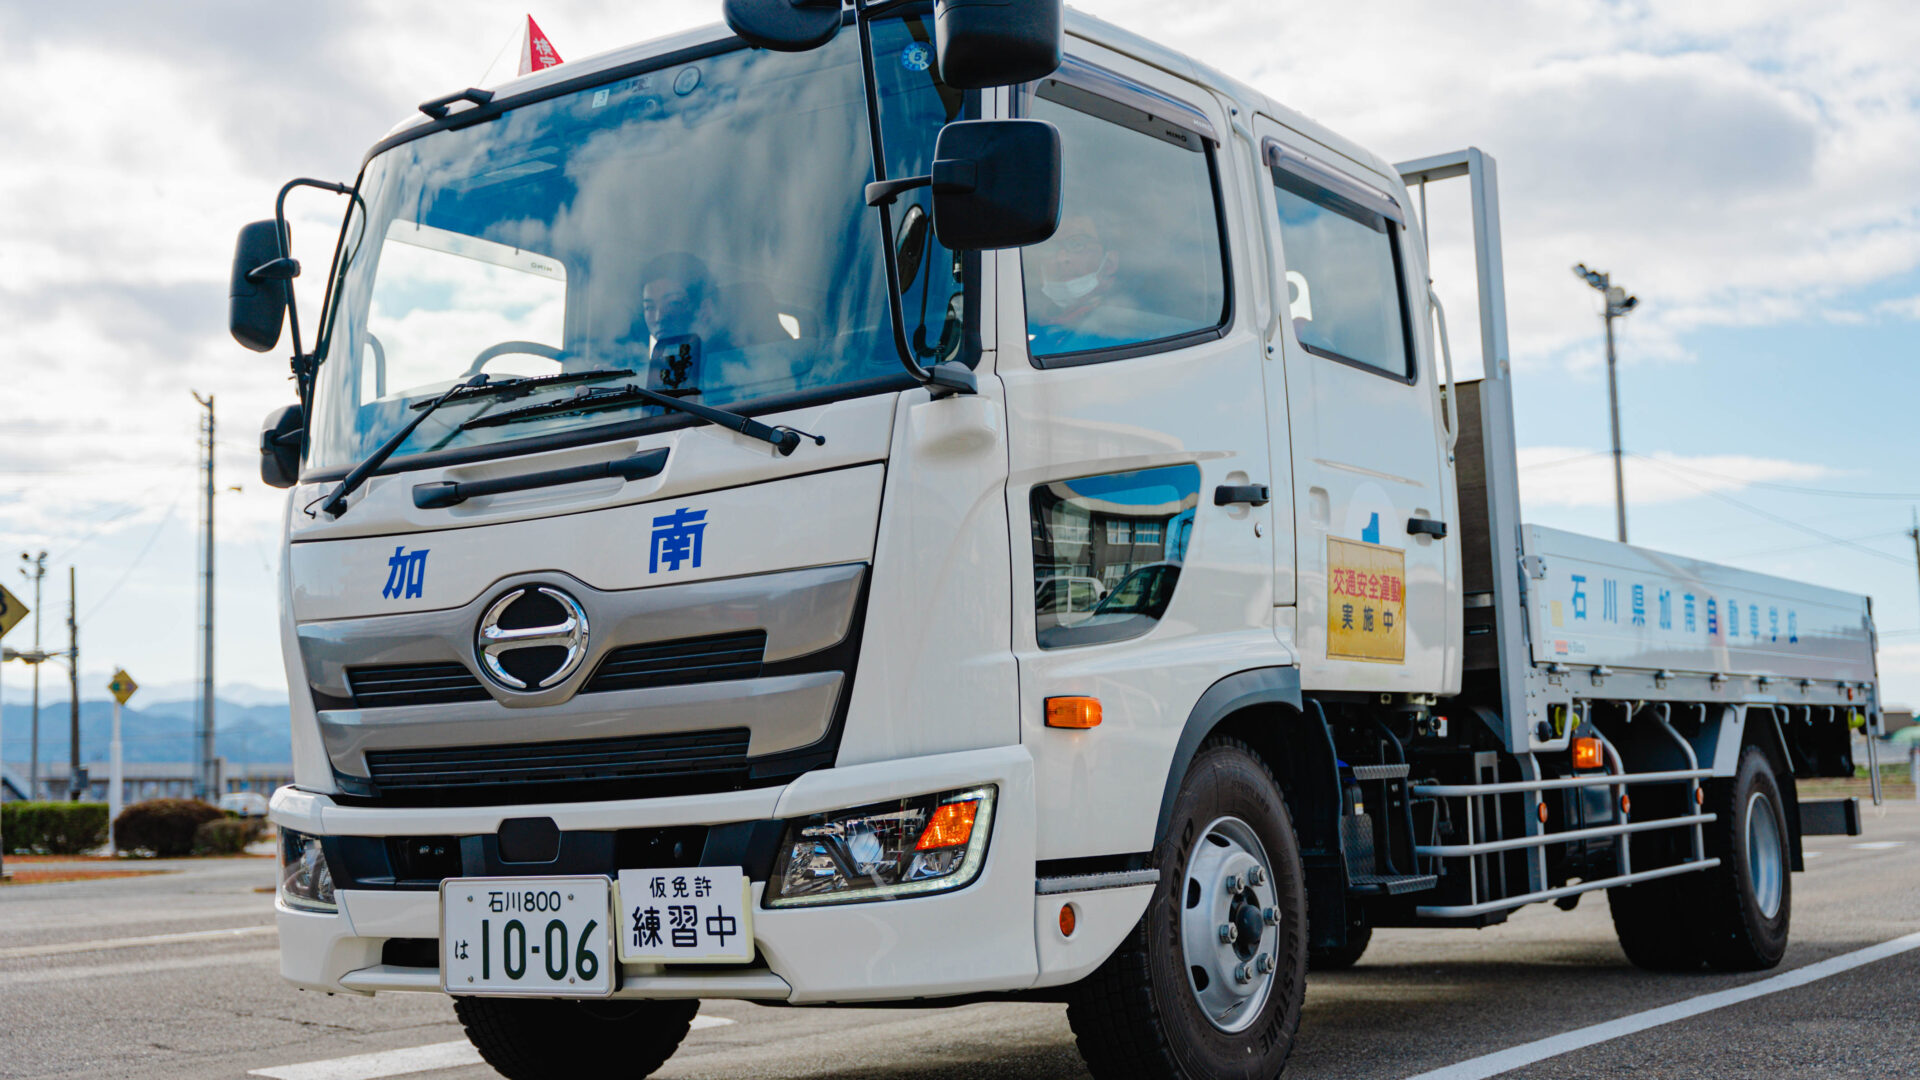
<point>538,54</point>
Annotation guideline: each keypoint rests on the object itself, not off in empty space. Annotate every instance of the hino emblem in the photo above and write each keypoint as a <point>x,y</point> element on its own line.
<point>532,638</point>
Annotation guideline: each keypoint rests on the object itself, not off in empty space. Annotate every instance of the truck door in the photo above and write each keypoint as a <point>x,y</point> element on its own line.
<point>1138,451</point>
<point>1372,487</point>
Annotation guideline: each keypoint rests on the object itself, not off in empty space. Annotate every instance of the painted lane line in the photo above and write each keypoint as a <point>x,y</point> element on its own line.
<point>267,958</point>
<point>132,942</point>
<point>412,1059</point>
<point>1878,845</point>
<point>1516,1057</point>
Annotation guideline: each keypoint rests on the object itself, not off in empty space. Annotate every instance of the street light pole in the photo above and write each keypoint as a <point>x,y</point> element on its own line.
<point>75,783</point>
<point>1618,304</point>
<point>35,570</point>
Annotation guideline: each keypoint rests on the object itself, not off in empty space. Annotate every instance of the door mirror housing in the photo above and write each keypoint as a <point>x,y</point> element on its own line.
<point>783,25</point>
<point>258,297</point>
<point>281,441</point>
<point>984,43</point>
<point>996,184</point>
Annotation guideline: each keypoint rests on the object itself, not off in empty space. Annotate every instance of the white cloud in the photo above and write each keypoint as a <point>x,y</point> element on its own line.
<point>1561,476</point>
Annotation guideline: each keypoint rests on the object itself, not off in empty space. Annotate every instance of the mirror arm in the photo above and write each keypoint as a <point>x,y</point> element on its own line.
<point>302,363</point>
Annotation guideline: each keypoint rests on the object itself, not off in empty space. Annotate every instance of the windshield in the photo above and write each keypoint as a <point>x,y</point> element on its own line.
<point>701,225</point>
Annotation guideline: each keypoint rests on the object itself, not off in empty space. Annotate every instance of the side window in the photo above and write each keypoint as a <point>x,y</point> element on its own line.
<point>1138,258</point>
<point>1107,552</point>
<point>1343,276</point>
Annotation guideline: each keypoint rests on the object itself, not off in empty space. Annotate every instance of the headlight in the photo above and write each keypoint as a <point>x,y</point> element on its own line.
<point>305,880</point>
<point>915,846</point>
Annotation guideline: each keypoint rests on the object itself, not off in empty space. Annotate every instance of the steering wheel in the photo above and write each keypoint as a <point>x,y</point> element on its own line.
<point>531,348</point>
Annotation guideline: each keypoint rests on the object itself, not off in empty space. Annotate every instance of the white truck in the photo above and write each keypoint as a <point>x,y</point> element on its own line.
<point>918,504</point>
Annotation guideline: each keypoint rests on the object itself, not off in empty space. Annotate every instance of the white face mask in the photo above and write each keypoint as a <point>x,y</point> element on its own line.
<point>1066,292</point>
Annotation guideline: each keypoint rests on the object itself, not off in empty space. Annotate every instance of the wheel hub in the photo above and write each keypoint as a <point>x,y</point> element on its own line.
<point>1766,867</point>
<point>1229,924</point>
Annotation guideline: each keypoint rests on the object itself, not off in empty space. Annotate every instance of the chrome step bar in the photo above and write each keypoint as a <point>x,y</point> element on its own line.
<point>1462,911</point>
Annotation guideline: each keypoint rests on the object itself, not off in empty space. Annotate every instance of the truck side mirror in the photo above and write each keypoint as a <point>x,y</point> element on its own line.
<point>783,25</point>
<point>258,297</point>
<point>984,43</point>
<point>996,184</point>
<point>281,441</point>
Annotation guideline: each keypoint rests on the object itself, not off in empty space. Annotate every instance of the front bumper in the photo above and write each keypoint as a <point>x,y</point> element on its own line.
<point>978,938</point>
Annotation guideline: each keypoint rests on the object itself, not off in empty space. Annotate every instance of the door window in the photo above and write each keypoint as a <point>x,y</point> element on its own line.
<point>1137,264</point>
<point>1107,552</point>
<point>1343,276</point>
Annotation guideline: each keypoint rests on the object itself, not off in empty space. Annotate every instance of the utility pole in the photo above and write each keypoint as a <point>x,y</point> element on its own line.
<point>1914,533</point>
<point>203,782</point>
<point>34,571</point>
<point>1618,304</point>
<point>76,780</point>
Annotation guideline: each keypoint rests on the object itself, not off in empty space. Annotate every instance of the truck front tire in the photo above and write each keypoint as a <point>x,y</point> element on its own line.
<point>1209,985</point>
<point>543,1039</point>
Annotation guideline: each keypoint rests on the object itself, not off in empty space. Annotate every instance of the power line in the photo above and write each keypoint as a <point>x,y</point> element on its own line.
<point>1788,522</point>
<point>1798,489</point>
<point>1557,462</point>
<point>135,565</point>
<point>1821,544</point>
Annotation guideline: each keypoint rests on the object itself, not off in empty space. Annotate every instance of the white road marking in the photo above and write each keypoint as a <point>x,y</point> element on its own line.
<point>1516,1057</point>
<point>1878,845</point>
<point>10,979</point>
<point>132,942</point>
<point>1812,854</point>
<point>412,1059</point>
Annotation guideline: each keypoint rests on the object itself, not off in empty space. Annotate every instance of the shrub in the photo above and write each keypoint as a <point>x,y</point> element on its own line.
<point>165,827</point>
<point>53,828</point>
<point>227,835</point>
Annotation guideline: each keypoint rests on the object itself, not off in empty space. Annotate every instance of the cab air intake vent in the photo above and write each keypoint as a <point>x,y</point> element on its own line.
<point>413,684</point>
<point>676,663</point>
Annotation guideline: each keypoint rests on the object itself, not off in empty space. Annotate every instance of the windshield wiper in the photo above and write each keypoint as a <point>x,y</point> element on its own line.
<point>335,503</point>
<point>527,384</point>
<point>585,400</point>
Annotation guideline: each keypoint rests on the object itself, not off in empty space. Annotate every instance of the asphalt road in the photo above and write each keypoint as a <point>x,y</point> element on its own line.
<point>79,999</point>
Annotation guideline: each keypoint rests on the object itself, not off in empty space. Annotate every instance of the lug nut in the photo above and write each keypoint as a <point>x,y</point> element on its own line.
<point>1233,882</point>
<point>1256,876</point>
<point>1263,963</point>
<point>1229,933</point>
<point>1241,974</point>
<point>1271,915</point>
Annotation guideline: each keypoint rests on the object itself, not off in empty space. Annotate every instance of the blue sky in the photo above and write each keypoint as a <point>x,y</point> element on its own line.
<point>1750,169</point>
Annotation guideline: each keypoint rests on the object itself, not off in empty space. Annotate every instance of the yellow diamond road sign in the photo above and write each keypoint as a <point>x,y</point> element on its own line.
<point>122,686</point>
<point>11,611</point>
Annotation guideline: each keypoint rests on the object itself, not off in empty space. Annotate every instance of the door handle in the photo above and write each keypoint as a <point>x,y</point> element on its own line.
<point>1251,494</point>
<point>1427,527</point>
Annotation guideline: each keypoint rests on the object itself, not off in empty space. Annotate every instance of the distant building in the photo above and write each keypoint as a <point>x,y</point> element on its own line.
<point>1895,719</point>
<point>142,780</point>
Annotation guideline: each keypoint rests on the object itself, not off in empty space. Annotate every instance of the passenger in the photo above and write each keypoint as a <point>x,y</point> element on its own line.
<point>1078,305</point>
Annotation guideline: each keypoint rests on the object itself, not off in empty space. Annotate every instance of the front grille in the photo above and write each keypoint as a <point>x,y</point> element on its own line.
<point>669,764</point>
<point>413,684</point>
<point>675,663</point>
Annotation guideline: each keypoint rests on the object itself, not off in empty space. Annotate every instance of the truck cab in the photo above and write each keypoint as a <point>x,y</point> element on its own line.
<point>994,629</point>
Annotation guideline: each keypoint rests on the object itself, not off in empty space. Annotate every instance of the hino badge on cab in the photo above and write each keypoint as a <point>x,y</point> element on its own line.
<point>943,502</point>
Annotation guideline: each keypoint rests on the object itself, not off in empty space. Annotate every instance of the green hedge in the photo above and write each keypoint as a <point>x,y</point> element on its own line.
<point>52,828</point>
<point>165,827</point>
<point>227,835</point>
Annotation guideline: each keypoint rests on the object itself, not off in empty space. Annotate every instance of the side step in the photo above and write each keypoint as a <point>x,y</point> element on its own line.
<point>1830,817</point>
<point>1390,884</point>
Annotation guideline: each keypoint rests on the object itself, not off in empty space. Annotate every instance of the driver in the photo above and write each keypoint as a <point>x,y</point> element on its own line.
<point>677,297</point>
<point>1078,305</point>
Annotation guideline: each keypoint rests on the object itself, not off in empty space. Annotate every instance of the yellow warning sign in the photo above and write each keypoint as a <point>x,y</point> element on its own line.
<point>122,686</point>
<point>11,611</point>
<point>1366,602</point>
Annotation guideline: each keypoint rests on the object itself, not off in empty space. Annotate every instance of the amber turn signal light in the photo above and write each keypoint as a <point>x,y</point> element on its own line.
<point>950,826</point>
<point>1586,753</point>
<point>1073,712</point>
<point>1067,920</point>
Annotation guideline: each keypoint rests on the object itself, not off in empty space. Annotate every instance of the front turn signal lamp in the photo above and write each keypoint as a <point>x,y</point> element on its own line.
<point>1073,712</point>
<point>306,881</point>
<point>1586,753</point>
<point>885,851</point>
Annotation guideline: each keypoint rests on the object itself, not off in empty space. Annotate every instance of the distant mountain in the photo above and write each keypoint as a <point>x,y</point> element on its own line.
<point>161,731</point>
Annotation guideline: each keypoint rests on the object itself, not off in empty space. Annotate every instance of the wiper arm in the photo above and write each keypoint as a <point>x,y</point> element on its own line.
<point>783,439</point>
<point>527,384</point>
<point>335,503</point>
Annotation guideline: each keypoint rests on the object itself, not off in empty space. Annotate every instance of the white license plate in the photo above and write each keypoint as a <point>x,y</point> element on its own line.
<point>527,937</point>
<point>691,915</point>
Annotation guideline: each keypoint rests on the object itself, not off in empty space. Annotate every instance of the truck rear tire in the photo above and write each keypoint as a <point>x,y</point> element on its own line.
<point>1342,957</point>
<point>1652,920</point>
<point>1747,908</point>
<point>1209,985</point>
<point>536,1039</point>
